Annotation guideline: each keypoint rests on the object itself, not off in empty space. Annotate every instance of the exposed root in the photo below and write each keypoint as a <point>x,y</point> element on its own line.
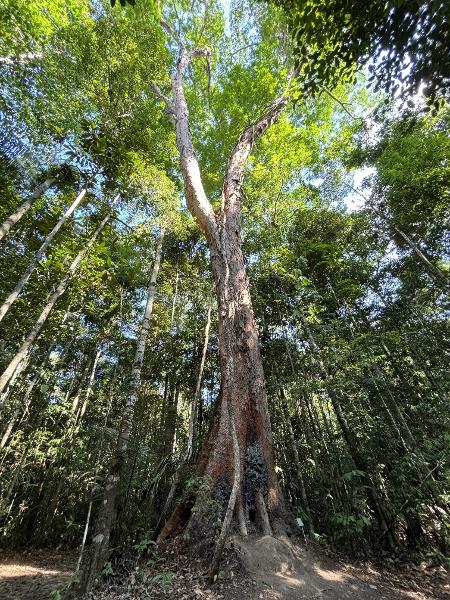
<point>176,522</point>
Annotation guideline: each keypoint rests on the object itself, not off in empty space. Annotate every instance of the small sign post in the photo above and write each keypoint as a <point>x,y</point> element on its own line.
<point>302,528</point>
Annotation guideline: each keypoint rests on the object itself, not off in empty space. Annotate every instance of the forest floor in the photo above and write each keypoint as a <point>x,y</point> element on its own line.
<point>259,568</point>
<point>34,575</point>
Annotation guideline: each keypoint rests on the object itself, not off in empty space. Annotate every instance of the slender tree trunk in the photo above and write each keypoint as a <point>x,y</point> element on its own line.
<point>395,415</point>
<point>305,420</point>
<point>31,337</point>
<point>193,423</point>
<point>83,542</point>
<point>58,464</point>
<point>38,256</point>
<point>76,398</point>
<point>175,297</point>
<point>298,467</point>
<point>169,422</point>
<point>411,444</point>
<point>353,446</point>
<point>97,463</point>
<point>80,414</point>
<point>234,502</point>
<point>11,383</point>
<point>98,553</point>
<point>192,436</point>
<point>433,270</point>
<point>23,404</point>
<point>23,208</point>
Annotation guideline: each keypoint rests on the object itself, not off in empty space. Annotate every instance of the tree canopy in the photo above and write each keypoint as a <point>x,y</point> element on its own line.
<point>405,43</point>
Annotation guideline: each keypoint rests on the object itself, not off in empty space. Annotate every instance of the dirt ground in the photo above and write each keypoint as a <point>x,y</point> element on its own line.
<point>258,568</point>
<point>292,572</point>
<point>34,575</point>
<point>267,568</point>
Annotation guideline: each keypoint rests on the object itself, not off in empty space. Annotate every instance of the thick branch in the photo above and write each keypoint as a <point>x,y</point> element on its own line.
<point>196,199</point>
<point>172,33</point>
<point>236,163</point>
<point>435,271</point>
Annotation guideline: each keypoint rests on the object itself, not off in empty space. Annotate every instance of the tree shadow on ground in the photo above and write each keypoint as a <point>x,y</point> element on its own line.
<point>33,576</point>
<point>287,571</point>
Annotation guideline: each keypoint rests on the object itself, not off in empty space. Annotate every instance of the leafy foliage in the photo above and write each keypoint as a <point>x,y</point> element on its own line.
<point>405,42</point>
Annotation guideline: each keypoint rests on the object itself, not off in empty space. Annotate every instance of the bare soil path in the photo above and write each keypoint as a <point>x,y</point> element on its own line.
<point>284,571</point>
<point>268,568</point>
<point>34,575</point>
<point>257,568</point>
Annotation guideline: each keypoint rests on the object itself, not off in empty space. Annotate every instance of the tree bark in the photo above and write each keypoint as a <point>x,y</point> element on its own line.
<point>38,256</point>
<point>98,551</point>
<point>169,422</point>
<point>243,393</point>
<point>78,417</point>
<point>23,404</point>
<point>31,337</point>
<point>23,208</point>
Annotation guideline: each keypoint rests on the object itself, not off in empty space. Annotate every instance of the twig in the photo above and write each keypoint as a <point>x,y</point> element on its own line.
<point>342,105</point>
<point>243,48</point>
<point>169,108</point>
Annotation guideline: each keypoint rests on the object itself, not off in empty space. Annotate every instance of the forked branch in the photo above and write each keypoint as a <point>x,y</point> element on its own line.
<point>177,107</point>
<point>237,161</point>
<point>172,33</point>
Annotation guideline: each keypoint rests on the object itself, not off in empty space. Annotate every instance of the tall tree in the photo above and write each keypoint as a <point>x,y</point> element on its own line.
<point>98,554</point>
<point>39,255</point>
<point>240,441</point>
<point>59,291</point>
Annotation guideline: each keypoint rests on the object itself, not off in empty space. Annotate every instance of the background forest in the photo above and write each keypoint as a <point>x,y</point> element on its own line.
<point>109,324</point>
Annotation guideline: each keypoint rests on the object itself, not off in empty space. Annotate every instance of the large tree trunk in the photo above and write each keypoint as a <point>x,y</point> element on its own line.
<point>242,388</point>
<point>243,395</point>
<point>237,459</point>
<point>242,404</point>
